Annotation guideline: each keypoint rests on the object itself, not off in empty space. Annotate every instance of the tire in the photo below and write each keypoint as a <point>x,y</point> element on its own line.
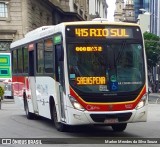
<point>58,125</point>
<point>29,115</point>
<point>119,127</point>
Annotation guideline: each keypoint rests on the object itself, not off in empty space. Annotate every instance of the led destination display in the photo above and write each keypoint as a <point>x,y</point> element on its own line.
<point>91,80</point>
<point>103,31</point>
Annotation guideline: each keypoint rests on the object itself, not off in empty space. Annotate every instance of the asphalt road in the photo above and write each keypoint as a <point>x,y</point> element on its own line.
<point>13,124</point>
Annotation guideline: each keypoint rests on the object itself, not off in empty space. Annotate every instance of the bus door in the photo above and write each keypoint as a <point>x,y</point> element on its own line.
<point>59,64</point>
<point>32,81</point>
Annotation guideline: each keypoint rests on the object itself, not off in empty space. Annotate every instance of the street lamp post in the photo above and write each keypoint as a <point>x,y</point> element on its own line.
<point>157,78</point>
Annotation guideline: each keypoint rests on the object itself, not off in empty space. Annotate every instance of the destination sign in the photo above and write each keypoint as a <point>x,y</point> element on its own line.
<point>103,31</point>
<point>88,48</point>
<point>109,32</point>
<point>91,80</point>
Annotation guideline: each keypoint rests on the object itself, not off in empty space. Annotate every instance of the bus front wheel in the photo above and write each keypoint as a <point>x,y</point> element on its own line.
<point>58,125</point>
<point>119,127</point>
<point>28,114</point>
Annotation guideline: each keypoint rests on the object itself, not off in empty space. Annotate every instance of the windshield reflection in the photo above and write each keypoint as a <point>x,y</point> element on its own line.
<point>106,67</point>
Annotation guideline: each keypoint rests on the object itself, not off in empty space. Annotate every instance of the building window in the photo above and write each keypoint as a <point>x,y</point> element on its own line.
<point>20,59</point>
<point>48,56</point>
<point>25,59</point>
<point>81,12</point>
<point>40,57</point>
<point>14,61</point>
<point>129,13</point>
<point>3,10</point>
<point>75,8</point>
<point>4,45</point>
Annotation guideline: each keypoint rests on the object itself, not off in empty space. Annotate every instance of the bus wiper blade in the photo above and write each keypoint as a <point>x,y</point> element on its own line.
<point>121,51</point>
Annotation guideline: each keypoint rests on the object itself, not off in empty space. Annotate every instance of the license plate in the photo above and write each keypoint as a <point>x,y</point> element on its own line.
<point>111,121</point>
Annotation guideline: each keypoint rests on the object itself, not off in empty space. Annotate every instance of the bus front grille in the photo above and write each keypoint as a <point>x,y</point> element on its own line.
<point>120,116</point>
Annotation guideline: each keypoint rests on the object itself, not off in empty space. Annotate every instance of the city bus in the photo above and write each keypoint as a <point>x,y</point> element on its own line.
<point>82,73</point>
<point>6,74</point>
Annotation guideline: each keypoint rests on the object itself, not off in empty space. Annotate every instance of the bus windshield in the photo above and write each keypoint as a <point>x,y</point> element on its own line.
<point>110,66</point>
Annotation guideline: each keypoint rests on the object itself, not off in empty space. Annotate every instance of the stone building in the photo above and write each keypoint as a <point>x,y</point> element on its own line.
<point>97,9</point>
<point>124,12</point>
<point>118,10</point>
<point>17,17</point>
<point>129,12</point>
<point>80,7</point>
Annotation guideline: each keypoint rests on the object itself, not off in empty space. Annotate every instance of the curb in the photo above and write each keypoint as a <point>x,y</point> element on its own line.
<point>154,98</point>
<point>8,101</point>
<point>155,94</point>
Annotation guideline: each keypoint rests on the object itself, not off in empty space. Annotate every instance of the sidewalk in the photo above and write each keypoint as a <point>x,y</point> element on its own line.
<point>154,98</point>
<point>7,100</point>
<point>155,94</point>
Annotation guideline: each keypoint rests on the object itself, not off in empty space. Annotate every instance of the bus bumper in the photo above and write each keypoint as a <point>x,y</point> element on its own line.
<point>76,117</point>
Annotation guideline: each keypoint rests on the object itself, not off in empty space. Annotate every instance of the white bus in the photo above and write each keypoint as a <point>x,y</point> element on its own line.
<point>81,73</point>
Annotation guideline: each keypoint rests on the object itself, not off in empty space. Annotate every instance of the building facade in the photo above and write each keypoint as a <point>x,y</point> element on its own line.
<point>145,17</point>
<point>129,11</point>
<point>124,12</point>
<point>140,4</point>
<point>17,17</point>
<point>80,7</point>
<point>155,29</point>
<point>97,9</point>
<point>155,17</point>
<point>119,10</point>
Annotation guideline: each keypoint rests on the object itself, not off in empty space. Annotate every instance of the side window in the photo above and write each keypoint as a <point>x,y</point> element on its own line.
<point>3,10</point>
<point>48,56</point>
<point>25,59</point>
<point>40,57</point>
<point>14,61</point>
<point>20,59</point>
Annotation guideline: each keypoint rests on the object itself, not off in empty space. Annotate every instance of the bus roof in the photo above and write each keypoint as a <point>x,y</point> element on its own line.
<point>45,31</point>
<point>99,22</point>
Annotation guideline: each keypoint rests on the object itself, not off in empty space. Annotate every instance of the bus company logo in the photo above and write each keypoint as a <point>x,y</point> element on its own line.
<point>110,107</point>
<point>6,141</point>
<point>128,106</point>
<point>90,107</point>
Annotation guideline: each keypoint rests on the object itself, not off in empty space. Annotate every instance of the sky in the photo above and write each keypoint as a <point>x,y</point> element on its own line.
<point>111,9</point>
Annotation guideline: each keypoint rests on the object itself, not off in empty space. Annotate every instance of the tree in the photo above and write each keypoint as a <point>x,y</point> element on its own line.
<point>152,46</point>
<point>1,95</point>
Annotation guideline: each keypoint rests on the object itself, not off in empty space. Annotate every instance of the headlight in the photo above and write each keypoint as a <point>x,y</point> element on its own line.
<point>142,102</point>
<point>75,103</point>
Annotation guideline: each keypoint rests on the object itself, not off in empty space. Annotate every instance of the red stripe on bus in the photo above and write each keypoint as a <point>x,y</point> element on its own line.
<point>114,106</point>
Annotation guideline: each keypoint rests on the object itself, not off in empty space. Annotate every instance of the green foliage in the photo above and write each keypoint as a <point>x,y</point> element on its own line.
<point>152,46</point>
<point>1,93</point>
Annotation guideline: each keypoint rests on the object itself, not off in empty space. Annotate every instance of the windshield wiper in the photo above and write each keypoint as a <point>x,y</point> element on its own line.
<point>121,51</point>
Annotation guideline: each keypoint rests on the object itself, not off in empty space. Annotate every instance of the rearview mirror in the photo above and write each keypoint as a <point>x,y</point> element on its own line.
<point>60,52</point>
